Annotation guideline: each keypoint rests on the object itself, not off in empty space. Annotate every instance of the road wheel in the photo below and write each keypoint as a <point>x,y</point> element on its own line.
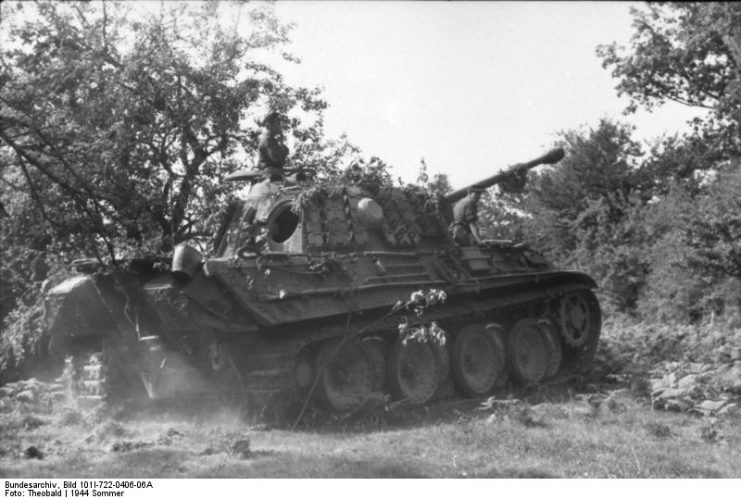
<point>529,352</point>
<point>345,370</point>
<point>414,371</point>
<point>378,350</point>
<point>478,359</point>
<point>554,346</point>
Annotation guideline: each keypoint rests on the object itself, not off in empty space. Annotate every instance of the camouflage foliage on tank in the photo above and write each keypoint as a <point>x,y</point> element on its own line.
<point>310,297</point>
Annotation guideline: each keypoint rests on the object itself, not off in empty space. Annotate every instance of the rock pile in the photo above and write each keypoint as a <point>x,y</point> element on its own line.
<point>704,388</point>
<point>686,368</point>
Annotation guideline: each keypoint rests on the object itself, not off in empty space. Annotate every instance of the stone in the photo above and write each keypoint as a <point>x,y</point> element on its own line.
<point>671,393</point>
<point>697,367</point>
<point>677,405</point>
<point>656,385</point>
<point>708,407</point>
<point>731,409</point>
<point>33,452</point>
<point>26,396</point>
<point>730,378</point>
<point>688,382</point>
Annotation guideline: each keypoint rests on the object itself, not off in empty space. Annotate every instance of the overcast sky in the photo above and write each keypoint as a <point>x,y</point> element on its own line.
<point>469,86</point>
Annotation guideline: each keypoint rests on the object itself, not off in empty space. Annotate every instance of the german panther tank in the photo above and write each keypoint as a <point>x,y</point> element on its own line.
<point>329,292</point>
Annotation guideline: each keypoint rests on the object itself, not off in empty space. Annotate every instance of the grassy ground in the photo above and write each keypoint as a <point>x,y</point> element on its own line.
<point>621,437</point>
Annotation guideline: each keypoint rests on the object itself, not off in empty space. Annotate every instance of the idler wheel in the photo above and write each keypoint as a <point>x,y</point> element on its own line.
<point>576,318</point>
<point>414,371</point>
<point>554,345</point>
<point>345,370</point>
<point>529,352</point>
<point>580,322</point>
<point>478,359</point>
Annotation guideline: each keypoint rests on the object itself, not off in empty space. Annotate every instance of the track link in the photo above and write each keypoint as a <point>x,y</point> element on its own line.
<point>86,377</point>
<point>269,371</point>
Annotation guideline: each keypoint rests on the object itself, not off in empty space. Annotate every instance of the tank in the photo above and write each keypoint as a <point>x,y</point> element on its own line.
<point>330,293</point>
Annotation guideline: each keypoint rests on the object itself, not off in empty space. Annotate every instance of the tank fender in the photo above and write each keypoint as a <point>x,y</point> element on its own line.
<point>75,309</point>
<point>203,301</point>
<point>216,299</point>
<point>583,278</point>
<point>563,277</point>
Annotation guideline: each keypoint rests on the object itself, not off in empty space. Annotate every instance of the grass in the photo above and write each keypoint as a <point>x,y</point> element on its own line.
<point>566,438</point>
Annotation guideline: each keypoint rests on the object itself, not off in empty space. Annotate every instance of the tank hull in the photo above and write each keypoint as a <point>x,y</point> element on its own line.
<point>260,327</point>
<point>335,293</point>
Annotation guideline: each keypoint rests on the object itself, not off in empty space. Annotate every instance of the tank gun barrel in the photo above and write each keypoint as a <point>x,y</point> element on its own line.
<point>549,158</point>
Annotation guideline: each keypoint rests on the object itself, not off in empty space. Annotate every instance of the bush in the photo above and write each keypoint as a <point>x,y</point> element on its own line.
<point>631,345</point>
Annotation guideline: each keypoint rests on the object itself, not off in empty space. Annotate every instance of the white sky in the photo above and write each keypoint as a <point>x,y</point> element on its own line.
<point>469,86</point>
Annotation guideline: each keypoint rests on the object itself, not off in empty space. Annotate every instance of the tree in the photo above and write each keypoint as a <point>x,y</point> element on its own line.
<point>713,227</point>
<point>123,126</point>
<point>688,53</point>
<point>439,184</point>
<point>502,215</point>
<point>598,166</point>
<point>585,212</point>
<point>117,129</point>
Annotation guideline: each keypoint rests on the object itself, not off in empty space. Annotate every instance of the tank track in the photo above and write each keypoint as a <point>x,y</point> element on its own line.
<point>101,372</point>
<point>86,377</point>
<point>278,374</point>
<point>267,378</point>
<point>274,374</point>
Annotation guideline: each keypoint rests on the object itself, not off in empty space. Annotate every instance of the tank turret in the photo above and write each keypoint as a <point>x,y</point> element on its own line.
<point>299,303</point>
